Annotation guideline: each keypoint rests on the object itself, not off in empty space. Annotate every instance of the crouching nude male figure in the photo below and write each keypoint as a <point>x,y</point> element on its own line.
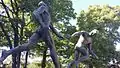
<point>84,40</point>
<point>42,16</point>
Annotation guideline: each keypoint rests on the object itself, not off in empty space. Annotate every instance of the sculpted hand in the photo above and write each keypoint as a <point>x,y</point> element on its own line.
<point>95,56</point>
<point>67,36</point>
<point>61,37</point>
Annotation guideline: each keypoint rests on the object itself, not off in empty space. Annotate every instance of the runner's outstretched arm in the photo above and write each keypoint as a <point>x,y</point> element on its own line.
<point>55,31</point>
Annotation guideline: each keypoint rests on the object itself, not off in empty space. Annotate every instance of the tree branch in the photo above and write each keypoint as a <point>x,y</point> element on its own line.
<point>7,7</point>
<point>6,35</point>
<point>8,14</point>
<point>12,5</point>
<point>22,26</point>
<point>3,16</point>
<point>16,5</point>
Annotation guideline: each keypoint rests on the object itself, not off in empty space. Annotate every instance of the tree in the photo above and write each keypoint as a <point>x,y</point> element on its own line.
<point>107,21</point>
<point>16,15</point>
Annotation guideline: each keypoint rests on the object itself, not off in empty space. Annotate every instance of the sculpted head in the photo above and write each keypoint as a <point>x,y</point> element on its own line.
<point>41,3</point>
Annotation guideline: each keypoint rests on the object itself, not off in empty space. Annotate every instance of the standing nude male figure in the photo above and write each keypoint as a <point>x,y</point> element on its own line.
<point>83,46</point>
<point>42,16</point>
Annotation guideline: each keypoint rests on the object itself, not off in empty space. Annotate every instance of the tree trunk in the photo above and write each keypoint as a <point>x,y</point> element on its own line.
<point>18,59</point>
<point>16,41</point>
<point>14,61</point>
<point>26,58</point>
<point>44,58</point>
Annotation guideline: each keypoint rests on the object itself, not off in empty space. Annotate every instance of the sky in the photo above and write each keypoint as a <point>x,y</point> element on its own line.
<point>79,5</point>
<point>83,4</point>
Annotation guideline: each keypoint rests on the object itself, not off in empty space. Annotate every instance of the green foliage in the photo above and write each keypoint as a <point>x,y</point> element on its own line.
<point>63,12</point>
<point>34,65</point>
<point>106,20</point>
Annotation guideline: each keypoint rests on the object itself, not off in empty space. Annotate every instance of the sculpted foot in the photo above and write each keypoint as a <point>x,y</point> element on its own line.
<point>3,56</point>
